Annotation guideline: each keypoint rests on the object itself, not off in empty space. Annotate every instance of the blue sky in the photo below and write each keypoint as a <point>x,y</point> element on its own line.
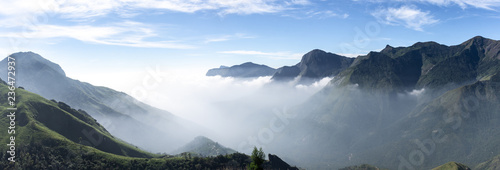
<point>93,40</point>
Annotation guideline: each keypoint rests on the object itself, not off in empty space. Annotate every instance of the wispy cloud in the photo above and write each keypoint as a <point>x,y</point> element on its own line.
<point>273,55</point>
<point>408,16</point>
<point>91,8</point>
<point>221,38</point>
<point>132,34</point>
<point>324,14</point>
<point>485,4</point>
<point>80,16</point>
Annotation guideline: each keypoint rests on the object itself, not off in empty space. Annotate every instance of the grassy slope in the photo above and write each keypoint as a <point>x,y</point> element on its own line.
<point>41,117</point>
<point>49,136</point>
<point>491,164</point>
<point>452,166</point>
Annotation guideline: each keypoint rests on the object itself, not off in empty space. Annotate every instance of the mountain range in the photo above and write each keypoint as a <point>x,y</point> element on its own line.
<point>314,65</point>
<point>244,70</point>
<point>53,135</point>
<point>440,102</point>
<point>417,107</point>
<point>118,112</point>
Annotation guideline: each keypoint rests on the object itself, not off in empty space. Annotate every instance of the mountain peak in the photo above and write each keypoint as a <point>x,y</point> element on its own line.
<point>314,53</point>
<point>202,139</point>
<point>477,40</point>
<point>33,60</point>
<point>249,64</point>
<point>317,55</point>
<point>204,147</point>
<point>314,65</point>
<point>247,69</point>
<point>387,49</point>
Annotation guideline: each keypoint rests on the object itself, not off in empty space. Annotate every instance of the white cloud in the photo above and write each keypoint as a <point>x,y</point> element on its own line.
<point>128,33</point>
<point>485,4</point>
<point>318,85</point>
<point>325,14</point>
<point>273,55</point>
<point>408,16</point>
<point>416,92</point>
<point>30,18</point>
<point>210,39</point>
<point>91,8</point>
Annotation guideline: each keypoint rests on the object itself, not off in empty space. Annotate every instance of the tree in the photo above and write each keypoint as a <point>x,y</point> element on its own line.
<point>257,159</point>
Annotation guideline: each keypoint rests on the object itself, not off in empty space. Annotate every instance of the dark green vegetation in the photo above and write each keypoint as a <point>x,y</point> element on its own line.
<point>124,116</point>
<point>314,65</point>
<point>244,70</point>
<point>204,147</point>
<point>361,167</point>
<point>452,166</point>
<point>491,164</point>
<point>424,65</point>
<point>406,107</point>
<point>52,135</point>
<point>258,157</point>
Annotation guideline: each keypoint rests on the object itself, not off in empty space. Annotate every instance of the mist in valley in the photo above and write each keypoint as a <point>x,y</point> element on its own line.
<point>236,112</point>
<point>316,125</point>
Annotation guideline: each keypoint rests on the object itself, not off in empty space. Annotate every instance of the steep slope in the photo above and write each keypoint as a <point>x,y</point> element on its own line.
<point>452,166</point>
<point>40,121</point>
<point>247,69</point>
<point>491,164</point>
<point>204,147</point>
<point>460,99</point>
<point>121,114</point>
<point>52,135</point>
<point>376,110</point>
<point>314,65</point>
<point>276,162</point>
<point>424,65</point>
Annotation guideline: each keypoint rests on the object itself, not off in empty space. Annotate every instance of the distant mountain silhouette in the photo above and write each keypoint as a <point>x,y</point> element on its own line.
<point>244,70</point>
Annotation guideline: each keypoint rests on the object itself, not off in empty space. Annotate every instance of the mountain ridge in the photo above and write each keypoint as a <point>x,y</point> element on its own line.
<point>120,113</point>
<point>314,65</point>
<point>385,102</point>
<point>245,70</point>
<point>204,147</point>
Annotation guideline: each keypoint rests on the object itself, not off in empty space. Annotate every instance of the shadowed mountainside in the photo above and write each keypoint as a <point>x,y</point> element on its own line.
<point>120,113</point>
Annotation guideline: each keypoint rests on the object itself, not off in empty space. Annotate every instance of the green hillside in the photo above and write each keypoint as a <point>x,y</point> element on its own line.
<point>491,164</point>
<point>52,135</point>
<point>120,113</point>
<point>452,166</point>
<point>204,147</point>
<point>41,121</point>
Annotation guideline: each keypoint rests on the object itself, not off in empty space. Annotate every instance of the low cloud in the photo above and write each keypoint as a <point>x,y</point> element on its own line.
<point>230,108</point>
<point>416,92</point>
